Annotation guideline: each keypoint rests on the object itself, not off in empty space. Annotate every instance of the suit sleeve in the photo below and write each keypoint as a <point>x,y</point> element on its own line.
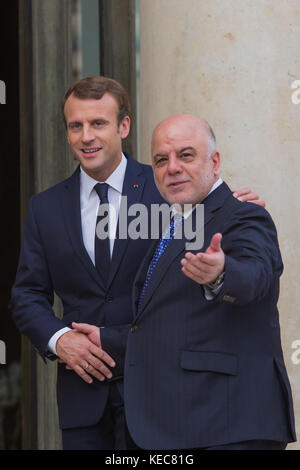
<point>252,256</point>
<point>113,341</point>
<point>32,294</point>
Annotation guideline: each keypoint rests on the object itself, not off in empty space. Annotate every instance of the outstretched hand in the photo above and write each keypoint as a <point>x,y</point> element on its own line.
<point>205,267</point>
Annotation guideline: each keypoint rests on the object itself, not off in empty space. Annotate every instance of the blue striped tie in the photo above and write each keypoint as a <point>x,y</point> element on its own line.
<point>167,236</point>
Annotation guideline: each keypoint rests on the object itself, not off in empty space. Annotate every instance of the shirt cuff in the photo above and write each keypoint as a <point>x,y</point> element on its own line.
<point>53,340</point>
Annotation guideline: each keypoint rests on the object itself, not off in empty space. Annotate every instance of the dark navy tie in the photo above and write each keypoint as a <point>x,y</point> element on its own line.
<point>102,247</point>
<point>167,236</point>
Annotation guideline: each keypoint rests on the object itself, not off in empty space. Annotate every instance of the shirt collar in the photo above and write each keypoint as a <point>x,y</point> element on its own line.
<point>115,180</point>
<point>215,185</point>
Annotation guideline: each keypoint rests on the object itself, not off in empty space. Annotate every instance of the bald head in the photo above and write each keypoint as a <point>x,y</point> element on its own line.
<point>194,123</point>
<point>184,158</point>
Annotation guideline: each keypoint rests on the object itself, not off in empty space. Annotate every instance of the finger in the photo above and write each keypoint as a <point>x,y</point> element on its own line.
<point>83,327</point>
<point>192,276</point>
<point>81,372</point>
<point>248,197</point>
<point>241,192</point>
<point>192,268</point>
<point>202,260</point>
<point>207,259</point>
<point>194,260</point>
<point>90,370</point>
<point>195,264</point>
<point>259,202</point>
<point>215,243</point>
<point>190,257</point>
<point>98,366</point>
<point>101,354</point>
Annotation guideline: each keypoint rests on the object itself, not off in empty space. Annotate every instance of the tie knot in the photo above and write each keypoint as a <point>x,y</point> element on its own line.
<point>102,189</point>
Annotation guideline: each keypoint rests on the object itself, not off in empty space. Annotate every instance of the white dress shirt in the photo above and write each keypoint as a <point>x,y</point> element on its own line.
<point>89,205</point>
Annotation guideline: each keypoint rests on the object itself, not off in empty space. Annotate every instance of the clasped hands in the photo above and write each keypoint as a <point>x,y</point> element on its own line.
<point>80,349</point>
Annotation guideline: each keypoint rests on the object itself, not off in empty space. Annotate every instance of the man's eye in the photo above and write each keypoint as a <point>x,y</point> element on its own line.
<point>75,125</point>
<point>98,123</point>
<point>161,160</point>
<point>185,155</point>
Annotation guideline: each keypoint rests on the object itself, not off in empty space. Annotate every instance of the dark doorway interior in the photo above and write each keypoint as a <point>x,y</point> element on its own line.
<point>10,419</point>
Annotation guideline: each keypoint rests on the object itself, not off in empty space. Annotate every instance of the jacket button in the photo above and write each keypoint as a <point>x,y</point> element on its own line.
<point>108,298</point>
<point>133,328</point>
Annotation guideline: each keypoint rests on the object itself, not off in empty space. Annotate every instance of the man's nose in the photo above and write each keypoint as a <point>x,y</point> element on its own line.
<point>174,166</point>
<point>87,134</point>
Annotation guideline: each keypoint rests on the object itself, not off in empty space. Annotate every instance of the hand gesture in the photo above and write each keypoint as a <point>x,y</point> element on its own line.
<point>205,267</point>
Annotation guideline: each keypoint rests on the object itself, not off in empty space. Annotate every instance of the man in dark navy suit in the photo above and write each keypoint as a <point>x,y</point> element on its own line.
<point>61,253</point>
<point>204,365</point>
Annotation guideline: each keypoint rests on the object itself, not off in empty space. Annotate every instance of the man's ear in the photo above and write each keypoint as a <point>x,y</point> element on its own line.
<point>216,161</point>
<point>124,127</point>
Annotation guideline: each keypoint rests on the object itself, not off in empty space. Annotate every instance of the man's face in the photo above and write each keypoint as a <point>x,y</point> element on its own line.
<point>183,172</point>
<point>94,135</point>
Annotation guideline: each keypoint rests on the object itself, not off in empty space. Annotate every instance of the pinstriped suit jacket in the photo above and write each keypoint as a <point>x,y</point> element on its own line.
<point>200,373</point>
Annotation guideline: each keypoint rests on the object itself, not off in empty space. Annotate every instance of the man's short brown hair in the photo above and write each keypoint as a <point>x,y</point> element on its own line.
<point>94,88</point>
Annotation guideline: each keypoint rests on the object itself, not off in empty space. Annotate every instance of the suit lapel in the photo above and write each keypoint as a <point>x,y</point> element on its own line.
<point>72,217</point>
<point>133,186</point>
<point>213,202</point>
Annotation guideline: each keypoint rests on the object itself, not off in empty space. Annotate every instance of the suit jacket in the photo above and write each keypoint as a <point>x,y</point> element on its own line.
<point>53,259</point>
<point>200,373</point>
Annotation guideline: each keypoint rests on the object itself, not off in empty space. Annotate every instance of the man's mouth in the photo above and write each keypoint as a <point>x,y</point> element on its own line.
<point>91,151</point>
<point>176,184</point>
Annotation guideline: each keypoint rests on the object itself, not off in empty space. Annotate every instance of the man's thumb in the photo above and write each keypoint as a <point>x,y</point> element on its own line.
<point>83,327</point>
<point>215,243</point>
